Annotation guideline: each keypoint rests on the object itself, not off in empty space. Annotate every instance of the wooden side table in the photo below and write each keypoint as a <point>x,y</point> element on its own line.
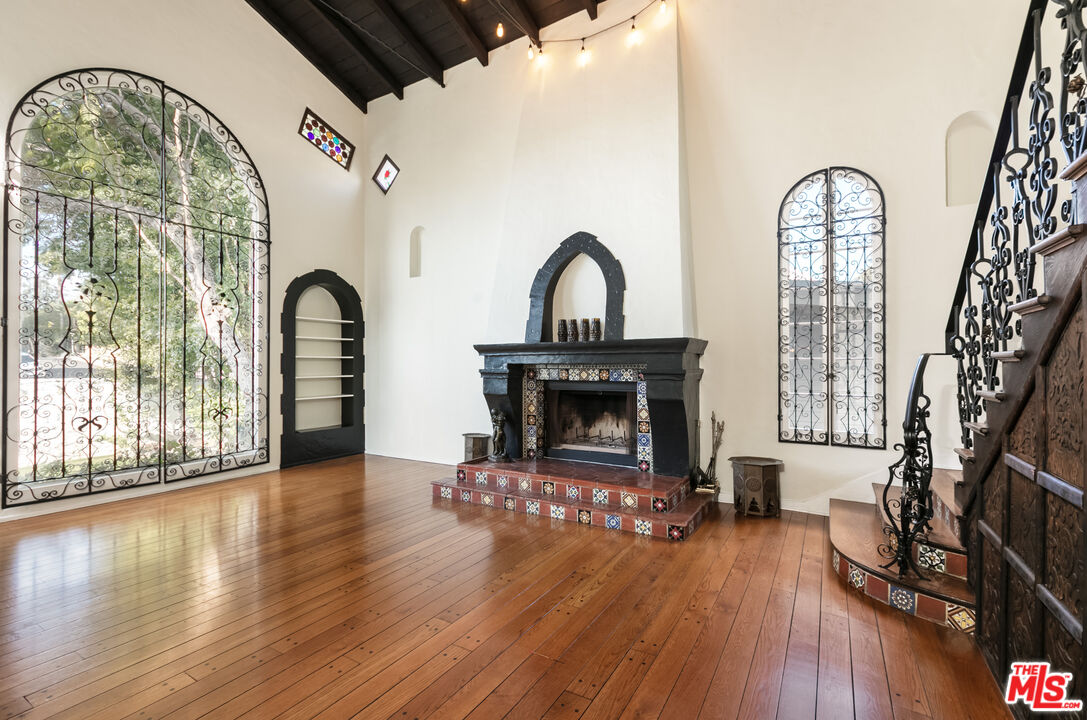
<point>757,490</point>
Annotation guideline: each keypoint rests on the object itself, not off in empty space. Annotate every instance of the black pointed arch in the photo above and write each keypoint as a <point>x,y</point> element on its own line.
<point>541,297</point>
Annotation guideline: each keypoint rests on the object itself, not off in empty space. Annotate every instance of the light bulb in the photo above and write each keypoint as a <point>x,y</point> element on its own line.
<point>531,52</point>
<point>500,31</point>
<point>635,36</point>
<point>584,56</point>
<point>664,6</point>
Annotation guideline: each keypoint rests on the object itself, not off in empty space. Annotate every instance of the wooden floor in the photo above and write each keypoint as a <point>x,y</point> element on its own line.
<point>342,590</point>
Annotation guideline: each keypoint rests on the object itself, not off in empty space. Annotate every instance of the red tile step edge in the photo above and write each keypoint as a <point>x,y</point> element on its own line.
<point>677,523</point>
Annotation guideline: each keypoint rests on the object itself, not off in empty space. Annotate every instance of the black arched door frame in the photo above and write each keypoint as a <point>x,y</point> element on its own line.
<point>300,447</point>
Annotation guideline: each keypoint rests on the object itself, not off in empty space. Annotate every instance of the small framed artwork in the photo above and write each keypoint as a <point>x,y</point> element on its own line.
<point>325,138</point>
<point>386,174</point>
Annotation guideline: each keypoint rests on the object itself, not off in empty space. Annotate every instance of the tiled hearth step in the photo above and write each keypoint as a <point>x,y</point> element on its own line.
<point>943,552</point>
<point>571,482</point>
<point>856,533</point>
<point>676,524</point>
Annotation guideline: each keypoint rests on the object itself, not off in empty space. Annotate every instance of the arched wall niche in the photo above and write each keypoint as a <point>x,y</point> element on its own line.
<point>967,148</point>
<point>540,325</point>
<point>322,349</point>
<point>580,292</point>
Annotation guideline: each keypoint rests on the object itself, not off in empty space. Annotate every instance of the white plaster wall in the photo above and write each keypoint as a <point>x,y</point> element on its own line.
<point>229,59</point>
<point>777,89</point>
<point>499,167</point>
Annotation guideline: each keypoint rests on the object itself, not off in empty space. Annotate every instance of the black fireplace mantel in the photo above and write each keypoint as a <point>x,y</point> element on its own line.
<point>670,369</point>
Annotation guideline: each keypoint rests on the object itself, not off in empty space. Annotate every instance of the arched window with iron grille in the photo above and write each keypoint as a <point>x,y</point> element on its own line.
<point>137,261</point>
<point>831,319</point>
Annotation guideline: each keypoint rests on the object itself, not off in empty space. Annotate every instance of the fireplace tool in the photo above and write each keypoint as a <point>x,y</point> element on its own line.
<point>706,482</point>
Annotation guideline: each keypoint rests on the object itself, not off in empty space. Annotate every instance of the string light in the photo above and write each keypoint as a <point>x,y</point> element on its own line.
<point>585,55</point>
<point>500,31</point>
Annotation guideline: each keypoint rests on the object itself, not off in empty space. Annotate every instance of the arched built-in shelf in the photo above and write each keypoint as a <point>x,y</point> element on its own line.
<point>323,395</point>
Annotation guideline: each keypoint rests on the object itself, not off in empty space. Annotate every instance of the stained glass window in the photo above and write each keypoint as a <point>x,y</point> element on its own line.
<point>325,138</point>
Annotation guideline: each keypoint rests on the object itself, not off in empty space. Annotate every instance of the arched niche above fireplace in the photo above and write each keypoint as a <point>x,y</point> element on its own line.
<point>542,295</point>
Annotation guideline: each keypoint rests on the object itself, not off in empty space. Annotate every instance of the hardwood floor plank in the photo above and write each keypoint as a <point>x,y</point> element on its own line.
<point>344,590</point>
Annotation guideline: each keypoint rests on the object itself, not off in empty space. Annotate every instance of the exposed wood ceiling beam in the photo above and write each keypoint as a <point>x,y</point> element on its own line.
<point>364,53</point>
<point>309,52</point>
<point>524,17</point>
<point>590,7</point>
<point>467,33</point>
<point>430,65</point>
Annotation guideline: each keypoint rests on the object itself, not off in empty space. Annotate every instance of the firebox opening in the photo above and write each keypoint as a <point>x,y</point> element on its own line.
<point>592,425</point>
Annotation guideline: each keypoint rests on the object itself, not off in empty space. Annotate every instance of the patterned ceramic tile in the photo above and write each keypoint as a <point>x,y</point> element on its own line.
<point>643,453</point>
<point>615,375</point>
<point>524,484</point>
<point>503,482</point>
<point>510,503</point>
<point>660,504</point>
<point>465,496</point>
<point>641,387</point>
<point>564,374</point>
<point>643,413</point>
<point>558,512</point>
<point>600,496</point>
<point>675,532</point>
<point>481,478</point>
<point>643,427</point>
<point>573,492</point>
<point>628,375</point>
<point>836,558</point>
<point>447,493</point>
<point>461,475</point>
<point>531,431</point>
<point>611,522</point>
<point>961,618</point>
<point>549,488</point>
<point>628,500</point>
<point>532,507</point>
<point>532,454</point>
<point>932,558</point>
<point>487,499</point>
<point>643,466</point>
<point>584,517</point>
<point>903,599</point>
<point>643,527</point>
<point>856,576</point>
<point>531,374</point>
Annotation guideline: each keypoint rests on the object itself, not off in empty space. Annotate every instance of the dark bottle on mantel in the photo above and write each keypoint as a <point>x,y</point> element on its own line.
<point>584,329</point>
<point>594,331</point>
<point>562,334</point>
<point>573,331</point>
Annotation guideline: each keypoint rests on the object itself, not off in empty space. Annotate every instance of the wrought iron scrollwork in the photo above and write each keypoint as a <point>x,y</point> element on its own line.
<point>909,513</point>
<point>140,229</point>
<point>831,310</point>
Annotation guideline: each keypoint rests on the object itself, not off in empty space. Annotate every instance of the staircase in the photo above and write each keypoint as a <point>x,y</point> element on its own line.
<point>1000,547</point>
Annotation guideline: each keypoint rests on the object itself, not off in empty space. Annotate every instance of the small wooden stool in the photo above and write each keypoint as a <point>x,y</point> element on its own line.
<point>756,487</point>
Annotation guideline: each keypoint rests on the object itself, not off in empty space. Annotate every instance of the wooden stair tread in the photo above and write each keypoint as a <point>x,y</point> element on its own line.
<point>992,395</point>
<point>979,428</point>
<point>1010,356</point>
<point>943,484</point>
<point>856,533</point>
<point>1059,240</point>
<point>941,536</point>
<point>1031,305</point>
<point>965,453</point>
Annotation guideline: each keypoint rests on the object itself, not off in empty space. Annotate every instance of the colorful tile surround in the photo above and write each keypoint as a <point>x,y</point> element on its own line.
<point>535,383</point>
<point>907,600</point>
<point>655,507</point>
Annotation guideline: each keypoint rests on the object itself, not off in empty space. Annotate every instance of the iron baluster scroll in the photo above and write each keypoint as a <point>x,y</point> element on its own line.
<point>908,515</point>
<point>138,239</point>
<point>831,311</point>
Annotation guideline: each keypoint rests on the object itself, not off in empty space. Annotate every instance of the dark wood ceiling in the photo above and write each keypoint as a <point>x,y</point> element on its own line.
<point>371,48</point>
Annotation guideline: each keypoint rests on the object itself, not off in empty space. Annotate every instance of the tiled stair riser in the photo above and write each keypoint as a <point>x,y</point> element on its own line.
<point>907,600</point>
<point>938,559</point>
<point>946,514</point>
<point>609,517</point>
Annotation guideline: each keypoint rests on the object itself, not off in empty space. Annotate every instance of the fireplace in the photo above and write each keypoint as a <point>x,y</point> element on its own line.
<point>588,423</point>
